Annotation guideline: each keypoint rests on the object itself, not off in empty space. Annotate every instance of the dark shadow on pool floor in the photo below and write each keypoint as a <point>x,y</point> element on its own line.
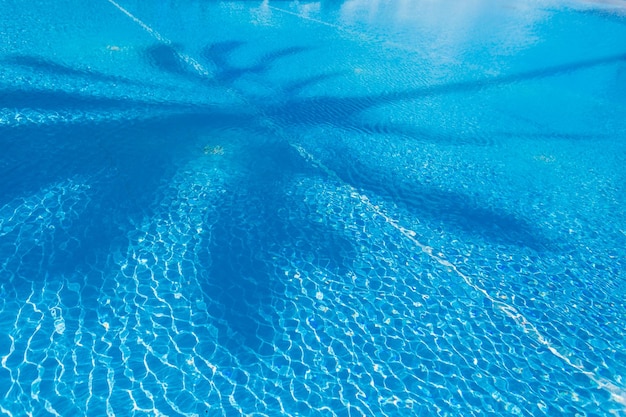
<point>218,55</point>
<point>343,111</point>
<point>458,211</point>
<point>133,162</point>
<point>123,161</point>
<point>46,66</point>
<point>257,223</point>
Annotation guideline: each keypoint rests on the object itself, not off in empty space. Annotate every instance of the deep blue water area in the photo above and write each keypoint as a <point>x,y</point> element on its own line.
<point>340,208</point>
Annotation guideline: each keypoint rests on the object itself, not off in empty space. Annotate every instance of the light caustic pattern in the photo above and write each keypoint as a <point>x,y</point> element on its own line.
<point>507,310</point>
<point>344,341</point>
<point>34,307</point>
<point>390,328</point>
<point>156,338</point>
<point>133,338</point>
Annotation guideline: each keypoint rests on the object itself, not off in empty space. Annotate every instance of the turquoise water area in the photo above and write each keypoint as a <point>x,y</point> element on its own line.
<point>333,208</point>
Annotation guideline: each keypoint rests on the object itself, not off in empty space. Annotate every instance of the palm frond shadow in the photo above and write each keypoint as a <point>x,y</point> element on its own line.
<point>125,163</point>
<point>167,58</point>
<point>459,212</point>
<point>47,66</point>
<point>134,157</point>
<point>218,54</point>
<point>53,100</point>
<point>129,155</point>
<point>343,111</point>
<point>257,223</point>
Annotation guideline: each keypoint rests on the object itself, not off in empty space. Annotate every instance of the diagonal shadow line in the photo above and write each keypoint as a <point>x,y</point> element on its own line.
<point>484,138</point>
<point>61,100</point>
<point>475,85</point>
<point>284,52</point>
<point>47,66</point>
<point>167,59</point>
<point>218,54</point>
<point>301,84</point>
<point>270,58</point>
<point>336,110</point>
<point>457,209</point>
<point>262,65</point>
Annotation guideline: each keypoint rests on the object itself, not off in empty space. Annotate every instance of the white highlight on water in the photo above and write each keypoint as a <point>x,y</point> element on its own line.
<point>618,394</point>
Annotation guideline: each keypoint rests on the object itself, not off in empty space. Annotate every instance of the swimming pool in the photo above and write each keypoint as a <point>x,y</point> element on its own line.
<point>312,208</point>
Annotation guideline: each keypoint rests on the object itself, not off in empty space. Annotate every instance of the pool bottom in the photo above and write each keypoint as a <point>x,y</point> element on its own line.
<point>197,311</point>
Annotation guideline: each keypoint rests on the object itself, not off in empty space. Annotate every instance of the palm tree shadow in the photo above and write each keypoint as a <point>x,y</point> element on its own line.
<point>296,87</point>
<point>458,211</point>
<point>219,54</point>
<point>167,58</point>
<point>256,224</point>
<point>123,161</point>
<point>291,109</point>
<point>241,255</point>
<point>46,66</point>
<point>46,99</point>
<point>344,112</point>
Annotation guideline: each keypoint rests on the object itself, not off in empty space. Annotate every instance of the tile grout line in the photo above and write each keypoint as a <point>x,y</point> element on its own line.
<point>617,394</point>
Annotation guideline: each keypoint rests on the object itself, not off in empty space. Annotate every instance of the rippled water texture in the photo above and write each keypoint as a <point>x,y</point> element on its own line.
<point>335,208</point>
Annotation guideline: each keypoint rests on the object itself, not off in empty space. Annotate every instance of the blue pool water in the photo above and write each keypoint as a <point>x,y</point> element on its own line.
<point>335,208</point>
